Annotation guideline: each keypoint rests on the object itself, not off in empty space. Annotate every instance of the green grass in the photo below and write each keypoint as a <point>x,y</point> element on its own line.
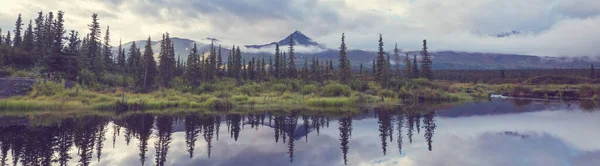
<point>227,94</point>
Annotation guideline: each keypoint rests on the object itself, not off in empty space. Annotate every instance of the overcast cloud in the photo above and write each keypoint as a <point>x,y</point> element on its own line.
<point>547,27</point>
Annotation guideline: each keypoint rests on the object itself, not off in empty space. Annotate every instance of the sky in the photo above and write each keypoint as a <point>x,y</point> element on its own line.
<point>546,27</point>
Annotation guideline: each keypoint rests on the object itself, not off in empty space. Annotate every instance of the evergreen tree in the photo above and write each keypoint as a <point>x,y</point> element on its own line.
<point>408,67</point>
<point>93,43</point>
<point>212,62</point>
<point>381,64</point>
<point>56,60</point>
<point>344,62</point>
<point>374,68</point>
<point>72,52</point>
<point>331,65</point>
<point>361,69</point>
<point>397,59</point>
<point>270,66</point>
<point>150,71</point>
<point>283,70</point>
<point>134,64</point>
<point>192,73</point>
<point>426,62</point>
<point>39,38</point>
<point>237,63</point>
<point>109,63</point>
<point>28,39</point>
<point>592,72</point>
<point>277,67</point>
<point>18,28</point>
<point>292,57</point>
<point>304,74</point>
<point>121,58</point>
<point>263,71</point>
<point>415,68</point>
<point>219,63</point>
<point>167,64</point>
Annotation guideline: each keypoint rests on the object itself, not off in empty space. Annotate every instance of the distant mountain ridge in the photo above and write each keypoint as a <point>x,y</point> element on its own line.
<point>299,39</point>
<point>441,59</point>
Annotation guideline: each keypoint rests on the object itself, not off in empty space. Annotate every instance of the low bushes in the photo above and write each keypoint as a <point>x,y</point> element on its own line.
<point>335,89</point>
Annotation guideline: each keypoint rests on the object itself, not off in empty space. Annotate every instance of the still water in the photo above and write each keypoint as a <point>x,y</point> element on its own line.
<point>500,132</point>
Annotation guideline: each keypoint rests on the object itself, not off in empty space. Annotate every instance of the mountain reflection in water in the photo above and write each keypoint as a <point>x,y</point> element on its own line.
<point>498,132</point>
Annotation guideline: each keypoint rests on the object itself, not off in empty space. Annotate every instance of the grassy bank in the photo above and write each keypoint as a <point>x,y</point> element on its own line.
<point>227,94</point>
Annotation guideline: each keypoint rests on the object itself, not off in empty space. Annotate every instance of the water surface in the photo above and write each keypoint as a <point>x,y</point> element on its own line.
<point>499,132</point>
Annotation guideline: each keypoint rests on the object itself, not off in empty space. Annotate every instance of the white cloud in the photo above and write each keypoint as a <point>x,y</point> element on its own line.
<point>553,27</point>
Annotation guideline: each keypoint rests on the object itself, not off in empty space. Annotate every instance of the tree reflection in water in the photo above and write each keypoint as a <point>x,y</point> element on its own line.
<point>50,144</point>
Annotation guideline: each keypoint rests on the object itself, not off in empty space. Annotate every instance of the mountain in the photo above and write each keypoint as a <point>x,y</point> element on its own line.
<point>299,40</point>
<point>441,59</point>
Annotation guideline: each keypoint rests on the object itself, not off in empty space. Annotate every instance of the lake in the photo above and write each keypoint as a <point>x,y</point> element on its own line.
<point>498,132</point>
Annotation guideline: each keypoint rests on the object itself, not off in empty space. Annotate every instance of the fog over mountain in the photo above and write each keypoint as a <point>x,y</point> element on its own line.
<point>304,47</point>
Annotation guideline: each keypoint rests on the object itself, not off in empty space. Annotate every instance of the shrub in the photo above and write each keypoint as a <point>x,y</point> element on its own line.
<point>356,84</point>
<point>250,89</point>
<point>336,89</point>
<point>308,89</point>
<point>519,91</point>
<point>557,79</point>
<point>218,104</point>
<point>240,98</point>
<point>223,95</point>
<point>48,88</point>
<point>281,87</point>
<point>387,93</point>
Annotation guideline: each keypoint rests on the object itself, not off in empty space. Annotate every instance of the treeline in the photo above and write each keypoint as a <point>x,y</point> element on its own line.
<point>46,49</point>
<point>512,75</point>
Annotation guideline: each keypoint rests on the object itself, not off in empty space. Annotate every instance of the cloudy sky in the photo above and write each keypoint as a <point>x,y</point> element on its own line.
<point>547,27</point>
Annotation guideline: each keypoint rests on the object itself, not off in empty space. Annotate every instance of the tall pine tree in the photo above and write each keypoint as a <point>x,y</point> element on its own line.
<point>344,62</point>
<point>426,62</point>
<point>150,71</point>
<point>292,64</point>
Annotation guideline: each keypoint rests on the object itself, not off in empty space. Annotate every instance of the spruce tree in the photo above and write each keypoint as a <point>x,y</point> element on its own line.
<point>108,61</point>
<point>212,62</point>
<point>277,67</point>
<point>39,38</point>
<point>305,69</point>
<point>192,73</point>
<point>72,53</point>
<point>270,66</point>
<point>397,59</point>
<point>426,62</point>
<point>408,67</point>
<point>167,64</point>
<point>415,68</point>
<point>344,62</point>
<point>93,43</point>
<point>374,68</point>
<point>150,71</point>
<point>292,57</point>
<point>381,64</point>
<point>121,58</point>
<point>238,62</point>
<point>219,63</point>
<point>56,60</point>
<point>18,28</point>
<point>361,69</point>
<point>134,64</point>
<point>592,72</point>
<point>283,70</point>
